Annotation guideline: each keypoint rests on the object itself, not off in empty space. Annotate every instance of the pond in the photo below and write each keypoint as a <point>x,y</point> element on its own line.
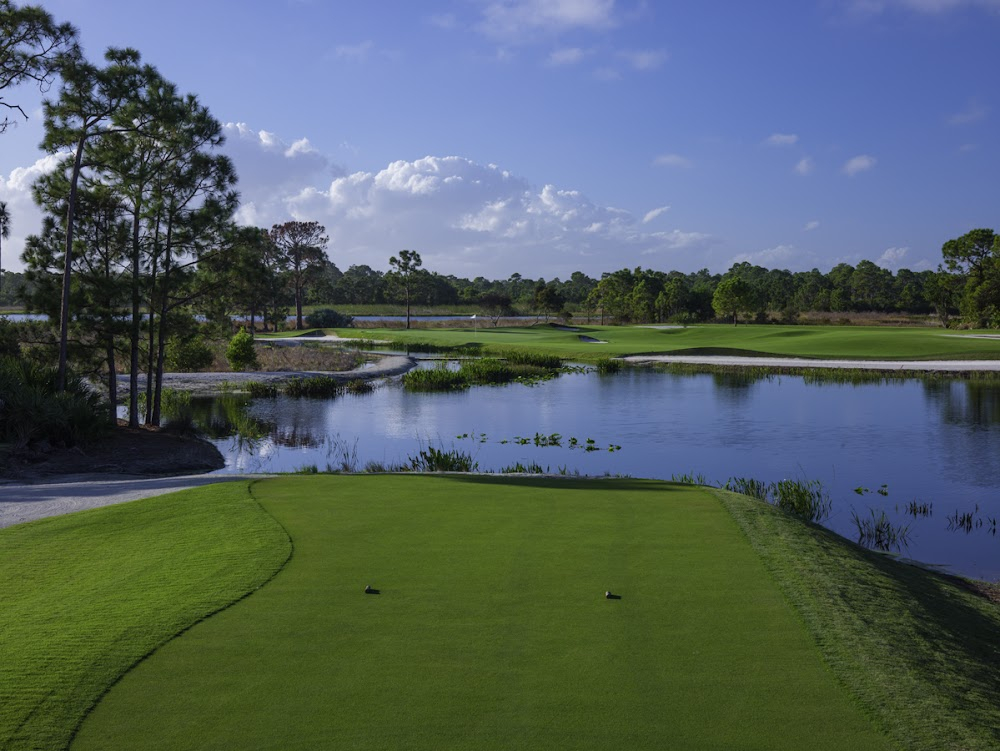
<point>933,444</point>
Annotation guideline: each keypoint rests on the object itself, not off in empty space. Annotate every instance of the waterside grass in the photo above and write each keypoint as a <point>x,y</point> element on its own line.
<point>918,649</point>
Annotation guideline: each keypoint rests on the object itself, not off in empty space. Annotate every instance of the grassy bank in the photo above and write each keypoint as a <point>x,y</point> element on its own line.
<point>87,595</point>
<point>824,342</point>
<point>919,649</point>
<point>491,630</point>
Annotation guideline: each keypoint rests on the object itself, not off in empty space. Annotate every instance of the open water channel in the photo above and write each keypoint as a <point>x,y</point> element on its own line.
<point>935,443</point>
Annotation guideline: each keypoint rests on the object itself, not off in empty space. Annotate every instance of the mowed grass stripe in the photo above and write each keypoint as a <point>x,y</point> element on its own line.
<point>492,631</point>
<point>85,596</point>
<point>825,342</point>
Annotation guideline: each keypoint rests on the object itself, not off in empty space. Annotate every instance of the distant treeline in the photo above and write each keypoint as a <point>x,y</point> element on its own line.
<point>631,295</point>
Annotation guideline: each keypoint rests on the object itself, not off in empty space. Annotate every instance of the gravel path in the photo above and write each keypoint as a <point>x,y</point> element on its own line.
<point>24,503</point>
<point>934,366</point>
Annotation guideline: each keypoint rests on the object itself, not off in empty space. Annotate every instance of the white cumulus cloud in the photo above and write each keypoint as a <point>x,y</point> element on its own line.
<point>776,257</point>
<point>810,226</point>
<point>805,166</point>
<point>651,215</point>
<point>858,164</point>
<point>892,258</point>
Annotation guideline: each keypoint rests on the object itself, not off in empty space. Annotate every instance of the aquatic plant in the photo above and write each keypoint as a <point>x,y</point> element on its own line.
<point>804,498</point>
<point>517,468</point>
<point>608,365</point>
<point>433,459</point>
<point>261,390</point>
<point>314,387</point>
<point>690,479</point>
<point>877,531</point>
<point>436,379</point>
<point>748,486</point>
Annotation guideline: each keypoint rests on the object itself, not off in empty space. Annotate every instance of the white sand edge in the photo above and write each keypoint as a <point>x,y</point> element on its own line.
<point>932,366</point>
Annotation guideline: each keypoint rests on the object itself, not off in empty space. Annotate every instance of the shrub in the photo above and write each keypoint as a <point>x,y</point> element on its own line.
<point>241,353</point>
<point>328,318</point>
<point>187,356</point>
<point>10,342</point>
<point>32,410</point>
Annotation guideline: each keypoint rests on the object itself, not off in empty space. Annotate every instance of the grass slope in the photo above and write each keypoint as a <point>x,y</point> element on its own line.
<point>918,648</point>
<point>87,595</point>
<point>830,342</point>
<point>492,631</point>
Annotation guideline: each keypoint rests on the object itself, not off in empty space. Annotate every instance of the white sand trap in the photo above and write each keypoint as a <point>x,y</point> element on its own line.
<point>932,366</point>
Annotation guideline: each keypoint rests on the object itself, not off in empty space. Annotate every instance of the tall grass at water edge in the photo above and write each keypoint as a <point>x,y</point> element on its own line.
<point>803,498</point>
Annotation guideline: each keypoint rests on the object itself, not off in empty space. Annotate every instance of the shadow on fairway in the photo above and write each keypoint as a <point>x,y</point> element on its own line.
<point>616,484</point>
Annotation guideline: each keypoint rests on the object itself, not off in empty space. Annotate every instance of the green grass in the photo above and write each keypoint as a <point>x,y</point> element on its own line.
<point>920,649</point>
<point>830,342</point>
<point>85,596</point>
<point>492,631</point>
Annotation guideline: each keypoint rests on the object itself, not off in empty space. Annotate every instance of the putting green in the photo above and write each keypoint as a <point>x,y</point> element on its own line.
<point>491,630</point>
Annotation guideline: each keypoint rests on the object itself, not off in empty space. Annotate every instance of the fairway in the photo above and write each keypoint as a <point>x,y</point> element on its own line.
<point>823,342</point>
<point>491,630</point>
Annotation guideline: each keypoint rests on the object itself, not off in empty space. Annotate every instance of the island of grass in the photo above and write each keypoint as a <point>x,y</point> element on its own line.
<point>590,343</point>
<point>736,627</point>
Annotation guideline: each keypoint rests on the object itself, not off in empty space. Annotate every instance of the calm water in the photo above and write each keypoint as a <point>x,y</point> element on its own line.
<point>934,443</point>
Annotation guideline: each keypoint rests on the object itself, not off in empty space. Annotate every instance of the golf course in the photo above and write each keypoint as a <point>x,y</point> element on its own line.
<point>587,343</point>
<point>236,616</point>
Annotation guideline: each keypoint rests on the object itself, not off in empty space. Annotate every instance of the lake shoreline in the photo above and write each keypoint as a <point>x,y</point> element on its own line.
<point>925,366</point>
<point>215,383</point>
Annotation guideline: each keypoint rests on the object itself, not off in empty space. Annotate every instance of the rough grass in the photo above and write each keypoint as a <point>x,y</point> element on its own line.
<point>85,596</point>
<point>491,630</point>
<point>829,342</point>
<point>919,649</point>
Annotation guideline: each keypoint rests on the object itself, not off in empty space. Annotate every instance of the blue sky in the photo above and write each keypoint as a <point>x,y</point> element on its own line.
<point>548,136</point>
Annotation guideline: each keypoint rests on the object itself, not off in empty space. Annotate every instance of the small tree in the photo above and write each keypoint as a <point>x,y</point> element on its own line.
<point>241,353</point>
<point>495,305</point>
<point>403,269</point>
<point>733,296</point>
<point>302,249</point>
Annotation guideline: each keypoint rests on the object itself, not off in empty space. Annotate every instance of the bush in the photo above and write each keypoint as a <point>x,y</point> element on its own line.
<point>328,318</point>
<point>10,342</point>
<point>187,356</point>
<point>241,353</point>
<point>32,410</point>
